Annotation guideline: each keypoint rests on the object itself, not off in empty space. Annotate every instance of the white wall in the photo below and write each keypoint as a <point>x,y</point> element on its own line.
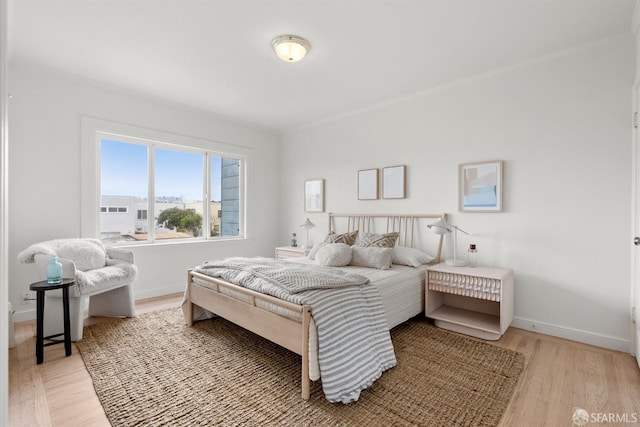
<point>562,126</point>
<point>45,132</point>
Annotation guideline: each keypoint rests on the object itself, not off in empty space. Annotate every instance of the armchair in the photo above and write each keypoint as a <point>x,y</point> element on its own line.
<point>104,278</point>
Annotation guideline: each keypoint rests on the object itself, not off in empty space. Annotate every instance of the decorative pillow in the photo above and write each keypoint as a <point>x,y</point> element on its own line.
<point>371,257</point>
<point>316,248</point>
<point>346,238</point>
<point>387,240</point>
<point>334,255</point>
<point>410,256</point>
<point>85,255</point>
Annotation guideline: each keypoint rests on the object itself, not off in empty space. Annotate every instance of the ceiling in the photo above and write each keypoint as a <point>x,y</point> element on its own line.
<point>216,55</point>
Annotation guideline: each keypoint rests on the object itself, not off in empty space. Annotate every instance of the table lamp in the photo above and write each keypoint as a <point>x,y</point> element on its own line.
<point>442,227</point>
<point>307,225</point>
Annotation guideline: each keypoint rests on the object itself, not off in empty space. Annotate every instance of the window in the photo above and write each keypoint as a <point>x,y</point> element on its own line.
<point>114,209</point>
<point>164,191</point>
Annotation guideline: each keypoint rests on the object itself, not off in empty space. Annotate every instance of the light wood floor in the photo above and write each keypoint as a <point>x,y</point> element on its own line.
<point>559,377</point>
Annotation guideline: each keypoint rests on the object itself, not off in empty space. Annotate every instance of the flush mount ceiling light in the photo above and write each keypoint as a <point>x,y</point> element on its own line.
<point>290,48</point>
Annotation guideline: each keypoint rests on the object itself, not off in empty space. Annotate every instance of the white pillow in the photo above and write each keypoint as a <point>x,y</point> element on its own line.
<point>371,257</point>
<point>85,255</point>
<point>410,256</point>
<point>334,255</point>
<point>316,248</point>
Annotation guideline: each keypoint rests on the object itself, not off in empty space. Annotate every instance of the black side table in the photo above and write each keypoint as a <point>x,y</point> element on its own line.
<point>40,288</point>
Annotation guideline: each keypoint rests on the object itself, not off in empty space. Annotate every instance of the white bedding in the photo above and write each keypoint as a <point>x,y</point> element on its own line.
<point>401,289</point>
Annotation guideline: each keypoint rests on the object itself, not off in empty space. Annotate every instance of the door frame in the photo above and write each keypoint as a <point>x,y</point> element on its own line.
<point>634,292</point>
<point>4,217</point>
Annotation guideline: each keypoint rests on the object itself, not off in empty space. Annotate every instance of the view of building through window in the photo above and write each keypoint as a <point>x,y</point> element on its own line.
<point>151,192</point>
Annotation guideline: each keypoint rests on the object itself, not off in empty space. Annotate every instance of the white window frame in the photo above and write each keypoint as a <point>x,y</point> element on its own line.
<point>93,130</point>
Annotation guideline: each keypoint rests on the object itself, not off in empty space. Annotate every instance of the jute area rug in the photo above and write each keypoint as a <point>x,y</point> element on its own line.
<point>153,370</point>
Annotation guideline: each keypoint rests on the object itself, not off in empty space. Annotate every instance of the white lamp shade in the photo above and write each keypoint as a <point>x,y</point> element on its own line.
<point>307,224</point>
<point>440,227</point>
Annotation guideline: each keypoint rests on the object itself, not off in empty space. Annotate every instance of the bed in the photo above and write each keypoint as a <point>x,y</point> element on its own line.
<point>290,324</point>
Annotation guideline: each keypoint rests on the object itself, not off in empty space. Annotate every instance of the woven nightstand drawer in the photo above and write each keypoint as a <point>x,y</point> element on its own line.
<point>469,286</point>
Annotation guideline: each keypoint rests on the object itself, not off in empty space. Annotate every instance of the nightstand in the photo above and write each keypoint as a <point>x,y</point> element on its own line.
<point>285,252</point>
<point>473,301</point>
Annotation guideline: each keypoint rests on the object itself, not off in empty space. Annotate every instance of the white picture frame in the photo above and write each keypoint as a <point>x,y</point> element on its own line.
<point>394,182</point>
<point>368,184</point>
<point>314,195</point>
<point>480,186</point>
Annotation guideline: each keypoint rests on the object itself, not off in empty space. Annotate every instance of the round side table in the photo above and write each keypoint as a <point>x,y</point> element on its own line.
<point>40,288</point>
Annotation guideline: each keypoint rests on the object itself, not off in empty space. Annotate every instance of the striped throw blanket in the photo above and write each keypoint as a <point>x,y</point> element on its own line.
<point>292,278</point>
<point>354,344</point>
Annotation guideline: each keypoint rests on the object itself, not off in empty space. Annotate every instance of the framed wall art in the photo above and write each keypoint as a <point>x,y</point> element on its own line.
<point>394,182</point>
<point>368,184</point>
<point>314,195</point>
<point>480,187</point>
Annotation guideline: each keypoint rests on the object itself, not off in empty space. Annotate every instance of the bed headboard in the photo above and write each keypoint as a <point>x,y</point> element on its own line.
<point>409,227</point>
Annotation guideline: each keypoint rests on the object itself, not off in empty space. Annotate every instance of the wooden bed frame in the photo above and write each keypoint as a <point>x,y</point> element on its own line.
<point>290,334</point>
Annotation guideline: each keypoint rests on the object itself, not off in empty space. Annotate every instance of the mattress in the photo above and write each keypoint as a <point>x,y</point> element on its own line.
<point>401,288</point>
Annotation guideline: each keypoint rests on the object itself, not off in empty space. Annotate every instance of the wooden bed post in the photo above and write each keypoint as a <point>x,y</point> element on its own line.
<point>439,254</point>
<point>189,307</point>
<point>306,382</point>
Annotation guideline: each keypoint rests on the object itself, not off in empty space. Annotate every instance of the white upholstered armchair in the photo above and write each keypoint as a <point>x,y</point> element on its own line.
<point>104,278</point>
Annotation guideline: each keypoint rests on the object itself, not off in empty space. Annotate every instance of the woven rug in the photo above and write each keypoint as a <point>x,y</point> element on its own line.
<point>155,371</point>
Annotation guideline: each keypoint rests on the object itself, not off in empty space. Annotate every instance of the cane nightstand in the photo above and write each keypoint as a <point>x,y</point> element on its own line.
<point>476,301</point>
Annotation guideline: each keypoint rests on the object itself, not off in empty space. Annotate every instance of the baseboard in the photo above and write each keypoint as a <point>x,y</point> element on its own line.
<point>24,315</point>
<point>586,337</point>
<point>158,292</point>
<point>30,313</point>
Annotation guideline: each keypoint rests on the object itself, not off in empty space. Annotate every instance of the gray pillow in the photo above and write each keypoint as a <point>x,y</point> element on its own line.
<point>334,255</point>
<point>371,257</point>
